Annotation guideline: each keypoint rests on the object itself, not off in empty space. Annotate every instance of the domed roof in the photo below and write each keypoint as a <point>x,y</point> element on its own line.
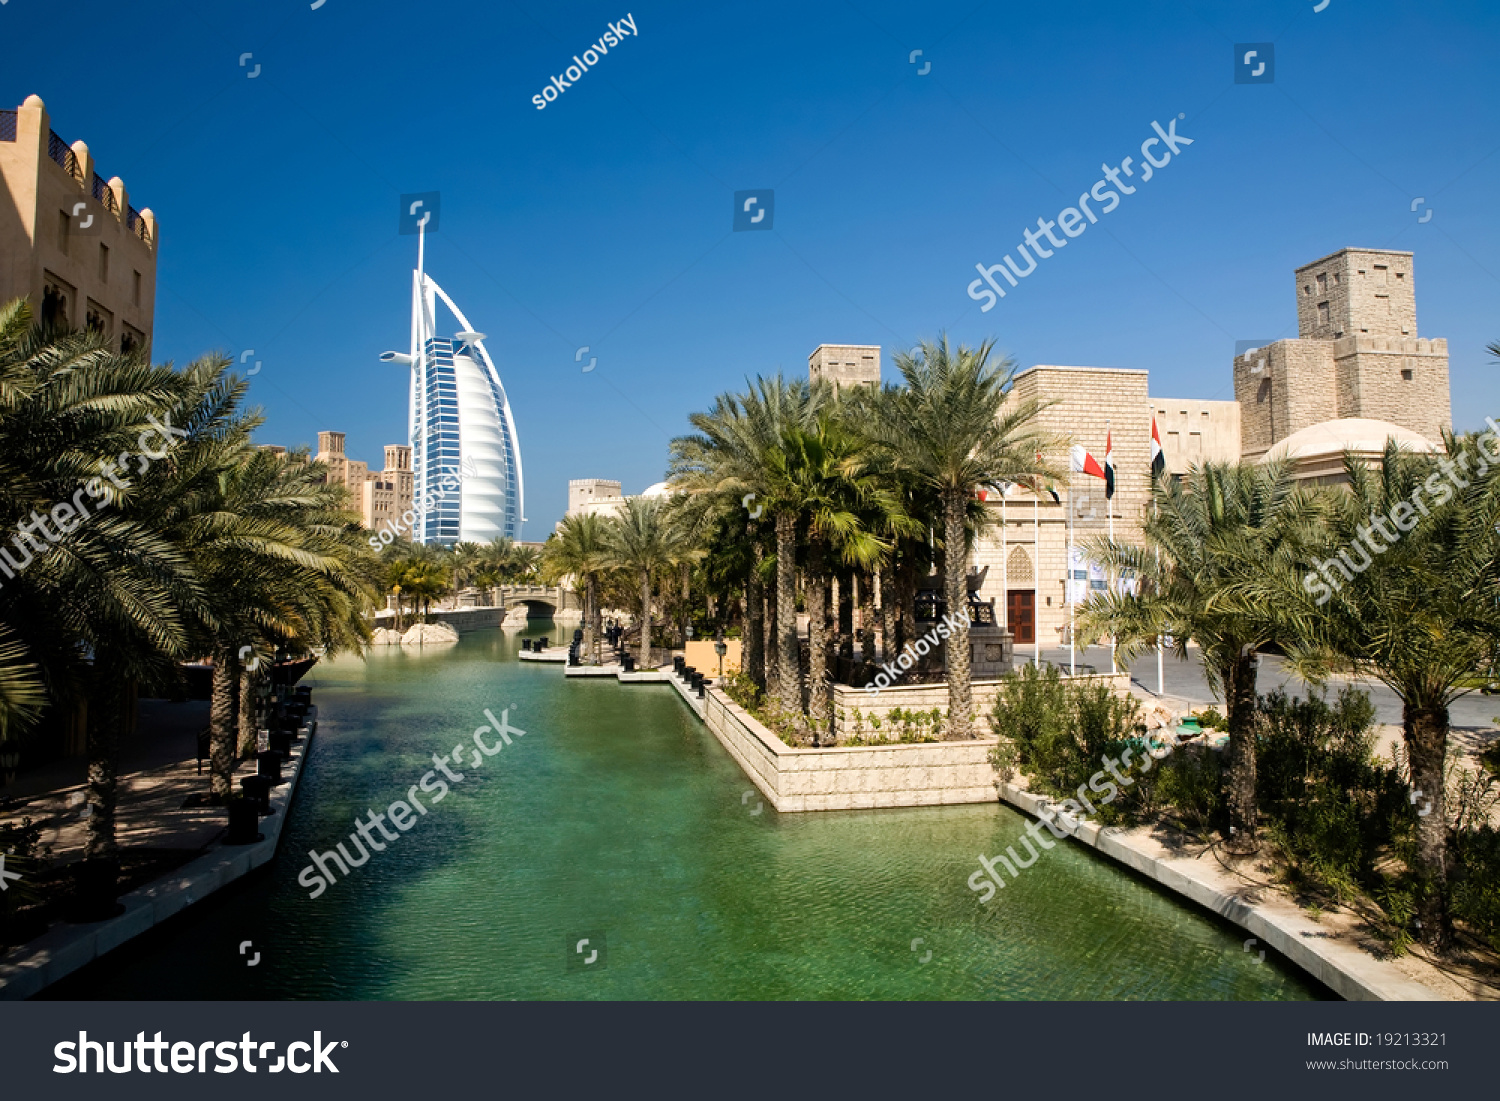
<point>660,489</point>
<point>1358,434</point>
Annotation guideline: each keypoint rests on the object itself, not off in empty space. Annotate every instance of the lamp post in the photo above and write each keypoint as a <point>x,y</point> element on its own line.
<point>719,648</point>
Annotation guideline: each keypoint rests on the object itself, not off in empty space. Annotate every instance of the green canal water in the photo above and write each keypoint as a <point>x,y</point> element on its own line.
<point>619,818</point>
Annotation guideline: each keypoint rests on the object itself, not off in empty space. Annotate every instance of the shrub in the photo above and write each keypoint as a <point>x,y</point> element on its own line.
<point>1333,807</point>
<point>1060,733</point>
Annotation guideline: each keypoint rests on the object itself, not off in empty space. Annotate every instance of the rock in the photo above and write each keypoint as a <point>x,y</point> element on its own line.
<point>384,636</point>
<point>429,634</point>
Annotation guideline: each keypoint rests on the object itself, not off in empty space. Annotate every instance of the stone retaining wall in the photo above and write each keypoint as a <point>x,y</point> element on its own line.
<point>851,777</point>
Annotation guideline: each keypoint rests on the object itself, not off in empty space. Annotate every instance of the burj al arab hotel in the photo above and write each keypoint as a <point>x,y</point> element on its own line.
<point>462,429</point>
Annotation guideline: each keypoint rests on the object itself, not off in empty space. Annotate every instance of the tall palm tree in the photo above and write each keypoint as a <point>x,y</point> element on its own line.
<point>955,429</point>
<point>97,605</point>
<point>1421,614</point>
<point>735,453</point>
<point>642,540</point>
<point>821,472</point>
<point>1207,538</point>
<point>580,549</point>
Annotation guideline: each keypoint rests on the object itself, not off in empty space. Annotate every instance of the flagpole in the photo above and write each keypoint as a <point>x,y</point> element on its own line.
<point>1109,507</point>
<point>1036,577</point>
<point>1068,588</point>
<point>1004,571</point>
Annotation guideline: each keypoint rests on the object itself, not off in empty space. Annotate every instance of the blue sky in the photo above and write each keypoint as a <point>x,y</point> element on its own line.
<point>605,219</point>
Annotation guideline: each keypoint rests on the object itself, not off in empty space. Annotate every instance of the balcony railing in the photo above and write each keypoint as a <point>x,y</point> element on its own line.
<point>7,126</point>
<point>58,150</point>
<point>138,224</point>
<point>105,194</point>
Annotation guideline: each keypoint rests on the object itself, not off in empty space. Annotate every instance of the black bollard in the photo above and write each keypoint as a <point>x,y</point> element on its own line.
<point>257,789</point>
<point>268,765</point>
<point>243,821</point>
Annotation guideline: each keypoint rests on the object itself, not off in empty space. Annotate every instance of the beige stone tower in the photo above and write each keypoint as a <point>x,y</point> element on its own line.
<point>1357,355</point>
<point>70,242</point>
<point>845,364</point>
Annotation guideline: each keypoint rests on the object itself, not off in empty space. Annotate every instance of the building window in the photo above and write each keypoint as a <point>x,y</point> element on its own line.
<point>62,232</point>
<point>1380,270</point>
<point>103,263</point>
<point>1323,313</point>
<point>1322,283</point>
<point>1406,374</point>
<point>1307,289</point>
<point>135,289</point>
<point>1335,279</point>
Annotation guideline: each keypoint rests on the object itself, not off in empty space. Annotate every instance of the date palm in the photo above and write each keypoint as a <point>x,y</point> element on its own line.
<point>954,429</point>
<point>580,549</point>
<point>644,541</point>
<point>1207,539</point>
<point>735,453</point>
<point>821,471</point>
<point>1421,616</point>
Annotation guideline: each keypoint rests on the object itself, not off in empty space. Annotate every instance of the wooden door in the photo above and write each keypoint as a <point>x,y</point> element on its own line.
<point>1020,609</point>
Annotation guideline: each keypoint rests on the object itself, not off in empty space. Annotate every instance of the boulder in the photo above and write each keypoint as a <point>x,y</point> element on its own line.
<point>384,636</point>
<point>429,634</point>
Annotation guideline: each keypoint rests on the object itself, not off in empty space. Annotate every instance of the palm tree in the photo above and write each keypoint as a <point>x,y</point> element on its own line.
<point>954,430</point>
<point>580,549</point>
<point>1421,614</point>
<point>735,454</point>
<point>820,472</point>
<point>99,604</point>
<point>1207,538</point>
<point>642,540</point>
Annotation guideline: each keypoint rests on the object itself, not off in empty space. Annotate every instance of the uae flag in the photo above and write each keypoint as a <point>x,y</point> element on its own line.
<point>1047,485</point>
<point>1158,460</point>
<point>1081,462</point>
<point>1109,465</point>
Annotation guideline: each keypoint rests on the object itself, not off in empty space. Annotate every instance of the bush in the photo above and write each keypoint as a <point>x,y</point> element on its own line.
<point>1061,732</point>
<point>1210,719</point>
<point>1334,808</point>
<point>1191,781</point>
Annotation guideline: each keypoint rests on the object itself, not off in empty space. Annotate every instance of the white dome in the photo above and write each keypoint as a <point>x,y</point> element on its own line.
<point>660,489</point>
<point>1357,434</point>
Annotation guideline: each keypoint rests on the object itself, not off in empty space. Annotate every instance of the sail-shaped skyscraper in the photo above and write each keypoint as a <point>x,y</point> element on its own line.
<point>462,428</point>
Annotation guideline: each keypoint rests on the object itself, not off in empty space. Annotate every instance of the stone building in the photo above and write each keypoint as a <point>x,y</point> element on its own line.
<point>1357,355</point>
<point>1357,375</point>
<point>381,497</point>
<point>845,364</point>
<point>70,242</point>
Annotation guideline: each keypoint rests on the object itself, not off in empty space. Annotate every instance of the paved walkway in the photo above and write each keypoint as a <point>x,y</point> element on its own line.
<point>158,770</point>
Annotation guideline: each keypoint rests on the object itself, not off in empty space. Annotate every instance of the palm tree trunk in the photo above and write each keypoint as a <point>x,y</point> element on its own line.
<point>888,612</point>
<point>1238,675</point>
<point>955,584</point>
<point>109,695</point>
<point>769,612</point>
<point>1425,730</point>
<point>645,658</point>
<point>223,723</point>
<point>249,735</point>
<point>846,615</point>
<point>788,671</point>
<point>817,645</point>
<point>755,639</point>
<point>591,617</point>
<point>867,617</point>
